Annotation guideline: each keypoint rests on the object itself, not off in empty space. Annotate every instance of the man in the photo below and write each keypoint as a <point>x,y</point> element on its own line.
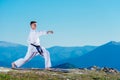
<point>34,48</point>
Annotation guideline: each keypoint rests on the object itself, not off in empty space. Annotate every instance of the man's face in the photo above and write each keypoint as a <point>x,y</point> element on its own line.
<point>33,26</point>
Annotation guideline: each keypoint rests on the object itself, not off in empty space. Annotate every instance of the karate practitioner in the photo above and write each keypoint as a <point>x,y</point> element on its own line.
<point>34,48</point>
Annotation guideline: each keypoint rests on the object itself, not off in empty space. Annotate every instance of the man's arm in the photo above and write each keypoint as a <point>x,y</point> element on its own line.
<point>45,32</point>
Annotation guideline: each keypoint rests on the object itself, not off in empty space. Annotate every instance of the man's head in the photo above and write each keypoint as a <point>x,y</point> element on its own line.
<point>33,25</point>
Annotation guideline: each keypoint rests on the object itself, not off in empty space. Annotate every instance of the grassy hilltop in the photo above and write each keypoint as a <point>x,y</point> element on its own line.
<point>72,74</point>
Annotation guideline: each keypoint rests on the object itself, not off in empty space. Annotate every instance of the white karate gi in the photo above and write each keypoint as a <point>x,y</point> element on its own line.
<point>32,51</point>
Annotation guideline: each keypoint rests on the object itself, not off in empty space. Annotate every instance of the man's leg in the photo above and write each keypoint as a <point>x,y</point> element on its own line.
<point>46,56</point>
<point>21,61</point>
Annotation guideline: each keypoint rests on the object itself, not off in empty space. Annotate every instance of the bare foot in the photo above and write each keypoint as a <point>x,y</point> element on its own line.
<point>13,65</point>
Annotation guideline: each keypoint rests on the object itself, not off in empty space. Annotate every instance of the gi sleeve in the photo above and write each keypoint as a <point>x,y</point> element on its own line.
<point>40,33</point>
<point>28,40</point>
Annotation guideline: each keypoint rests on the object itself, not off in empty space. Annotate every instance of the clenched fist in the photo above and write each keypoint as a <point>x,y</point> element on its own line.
<point>49,32</point>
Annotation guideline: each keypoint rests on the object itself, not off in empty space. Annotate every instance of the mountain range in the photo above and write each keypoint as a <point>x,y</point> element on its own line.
<point>106,55</point>
<point>10,52</point>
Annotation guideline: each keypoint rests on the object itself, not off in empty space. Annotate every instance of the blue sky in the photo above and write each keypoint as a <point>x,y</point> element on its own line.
<point>74,22</point>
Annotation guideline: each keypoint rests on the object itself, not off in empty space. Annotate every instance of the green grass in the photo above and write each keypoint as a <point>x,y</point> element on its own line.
<point>50,75</point>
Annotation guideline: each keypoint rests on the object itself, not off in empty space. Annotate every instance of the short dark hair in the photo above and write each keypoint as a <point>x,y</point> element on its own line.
<point>32,22</point>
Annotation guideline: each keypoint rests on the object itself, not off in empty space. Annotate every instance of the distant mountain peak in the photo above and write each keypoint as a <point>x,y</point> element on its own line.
<point>114,43</point>
<point>65,66</point>
<point>8,44</point>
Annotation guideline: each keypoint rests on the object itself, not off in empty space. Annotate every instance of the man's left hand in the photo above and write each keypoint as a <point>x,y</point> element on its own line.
<point>49,32</point>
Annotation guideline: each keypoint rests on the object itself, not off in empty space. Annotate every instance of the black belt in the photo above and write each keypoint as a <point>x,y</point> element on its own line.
<point>39,49</point>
